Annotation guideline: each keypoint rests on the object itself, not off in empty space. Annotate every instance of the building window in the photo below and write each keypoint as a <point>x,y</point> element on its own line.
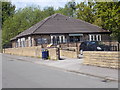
<point>71,39</point>
<point>26,39</point>
<point>22,42</point>
<point>53,39</point>
<point>17,43</point>
<point>42,41</point>
<point>32,41</point>
<point>56,39</point>
<point>61,39</point>
<point>98,37</point>
<point>75,38</point>
<point>94,37</point>
<point>39,41</point>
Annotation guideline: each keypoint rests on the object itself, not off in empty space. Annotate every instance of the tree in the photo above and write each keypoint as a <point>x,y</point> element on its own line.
<point>21,20</point>
<point>7,10</point>
<point>60,10</point>
<point>103,14</point>
<point>108,15</point>
<point>48,11</point>
<point>85,11</point>
<point>68,10</point>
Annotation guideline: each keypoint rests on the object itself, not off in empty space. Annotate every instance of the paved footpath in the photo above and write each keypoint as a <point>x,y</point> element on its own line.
<point>73,65</point>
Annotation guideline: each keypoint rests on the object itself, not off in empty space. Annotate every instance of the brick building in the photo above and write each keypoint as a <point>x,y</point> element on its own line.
<point>59,29</point>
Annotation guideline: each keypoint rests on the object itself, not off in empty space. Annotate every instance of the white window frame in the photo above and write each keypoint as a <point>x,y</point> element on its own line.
<point>52,38</point>
<point>99,37</point>
<point>23,42</point>
<point>60,38</point>
<point>64,39</point>
<point>19,42</point>
<point>30,41</point>
<point>93,36</point>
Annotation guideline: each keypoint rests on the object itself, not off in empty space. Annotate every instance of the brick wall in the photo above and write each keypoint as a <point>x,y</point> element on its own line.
<point>102,58</point>
<point>70,52</point>
<point>53,53</point>
<point>24,51</point>
<point>35,51</point>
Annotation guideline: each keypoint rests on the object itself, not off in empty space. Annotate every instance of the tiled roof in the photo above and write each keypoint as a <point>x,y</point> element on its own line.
<point>58,23</point>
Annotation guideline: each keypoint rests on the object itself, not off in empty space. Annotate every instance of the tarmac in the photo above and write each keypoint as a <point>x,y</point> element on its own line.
<point>74,66</point>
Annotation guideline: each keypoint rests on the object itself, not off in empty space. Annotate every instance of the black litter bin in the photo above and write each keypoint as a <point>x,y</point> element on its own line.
<point>45,54</point>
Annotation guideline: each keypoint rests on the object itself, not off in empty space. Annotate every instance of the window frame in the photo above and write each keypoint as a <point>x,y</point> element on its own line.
<point>94,37</point>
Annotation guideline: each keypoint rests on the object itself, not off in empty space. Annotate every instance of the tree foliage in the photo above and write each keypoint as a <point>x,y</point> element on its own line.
<point>7,10</point>
<point>108,13</point>
<point>103,14</point>
<point>48,11</point>
<point>86,12</point>
<point>22,20</point>
<point>68,10</point>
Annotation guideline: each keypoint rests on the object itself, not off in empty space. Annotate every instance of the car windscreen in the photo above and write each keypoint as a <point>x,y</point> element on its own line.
<point>92,43</point>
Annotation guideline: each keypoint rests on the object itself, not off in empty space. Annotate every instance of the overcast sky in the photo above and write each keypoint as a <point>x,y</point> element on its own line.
<point>41,3</point>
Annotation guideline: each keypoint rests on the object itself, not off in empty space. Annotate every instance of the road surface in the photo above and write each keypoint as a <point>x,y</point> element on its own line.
<point>22,74</point>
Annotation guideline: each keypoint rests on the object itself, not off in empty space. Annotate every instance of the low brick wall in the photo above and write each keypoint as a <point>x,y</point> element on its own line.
<point>35,51</point>
<point>69,53</point>
<point>108,59</point>
<point>53,53</point>
<point>26,51</point>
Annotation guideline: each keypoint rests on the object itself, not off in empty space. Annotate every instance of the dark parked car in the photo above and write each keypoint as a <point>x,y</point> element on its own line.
<point>93,46</point>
